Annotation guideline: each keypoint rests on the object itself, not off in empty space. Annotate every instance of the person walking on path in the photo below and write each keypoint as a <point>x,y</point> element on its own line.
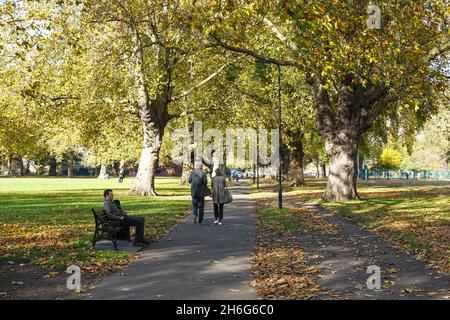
<point>220,195</point>
<point>199,190</point>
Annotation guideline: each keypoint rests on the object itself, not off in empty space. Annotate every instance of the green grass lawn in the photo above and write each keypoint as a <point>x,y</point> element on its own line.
<point>413,215</point>
<point>49,220</point>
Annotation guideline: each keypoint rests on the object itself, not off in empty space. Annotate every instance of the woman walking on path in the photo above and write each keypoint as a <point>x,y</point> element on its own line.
<point>199,190</point>
<point>220,195</point>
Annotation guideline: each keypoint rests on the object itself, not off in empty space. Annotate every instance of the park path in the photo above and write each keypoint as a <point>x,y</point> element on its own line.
<point>193,262</point>
<point>343,258</point>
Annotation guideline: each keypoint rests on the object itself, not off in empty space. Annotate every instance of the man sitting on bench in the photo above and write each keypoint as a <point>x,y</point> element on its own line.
<point>114,212</point>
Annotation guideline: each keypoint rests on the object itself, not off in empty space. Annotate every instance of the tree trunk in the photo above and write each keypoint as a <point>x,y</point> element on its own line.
<point>103,172</point>
<point>187,168</point>
<point>10,160</point>
<point>144,184</point>
<point>297,155</point>
<point>356,107</point>
<point>21,166</point>
<point>341,184</point>
<point>317,170</point>
<point>154,116</point>
<point>70,167</point>
<point>360,166</point>
<point>323,168</point>
<point>52,169</point>
<point>285,162</point>
<point>27,165</point>
<point>116,168</point>
<point>122,168</point>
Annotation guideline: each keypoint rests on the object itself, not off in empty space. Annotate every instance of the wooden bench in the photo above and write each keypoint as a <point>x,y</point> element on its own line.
<point>107,229</point>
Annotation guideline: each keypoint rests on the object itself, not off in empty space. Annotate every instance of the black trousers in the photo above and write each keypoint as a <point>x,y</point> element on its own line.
<point>137,222</point>
<point>218,211</point>
<point>198,207</point>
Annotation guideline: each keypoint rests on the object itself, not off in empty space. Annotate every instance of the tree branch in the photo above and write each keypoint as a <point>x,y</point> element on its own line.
<point>185,113</point>
<point>442,47</point>
<point>324,113</point>
<point>280,35</point>
<point>201,83</point>
<point>255,55</point>
<point>376,109</point>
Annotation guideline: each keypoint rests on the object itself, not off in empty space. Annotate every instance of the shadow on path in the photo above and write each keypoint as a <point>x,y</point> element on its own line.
<point>193,262</point>
<point>343,258</point>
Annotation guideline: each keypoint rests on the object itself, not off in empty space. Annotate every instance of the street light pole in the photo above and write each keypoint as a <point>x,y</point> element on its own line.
<point>280,190</point>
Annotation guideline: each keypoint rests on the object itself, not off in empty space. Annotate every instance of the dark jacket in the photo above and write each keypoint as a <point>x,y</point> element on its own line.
<point>219,193</point>
<point>113,211</point>
<point>198,181</point>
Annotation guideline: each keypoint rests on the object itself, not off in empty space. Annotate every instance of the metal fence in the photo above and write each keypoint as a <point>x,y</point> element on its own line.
<point>367,174</point>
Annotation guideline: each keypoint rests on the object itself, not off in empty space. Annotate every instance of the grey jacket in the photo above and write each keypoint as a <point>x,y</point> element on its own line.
<point>219,193</point>
<point>112,210</point>
<point>198,181</point>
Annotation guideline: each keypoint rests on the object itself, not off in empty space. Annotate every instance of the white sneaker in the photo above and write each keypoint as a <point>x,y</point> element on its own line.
<point>220,223</point>
<point>216,222</point>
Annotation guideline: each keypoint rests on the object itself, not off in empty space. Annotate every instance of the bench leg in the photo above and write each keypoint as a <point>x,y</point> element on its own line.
<point>94,240</point>
<point>114,240</point>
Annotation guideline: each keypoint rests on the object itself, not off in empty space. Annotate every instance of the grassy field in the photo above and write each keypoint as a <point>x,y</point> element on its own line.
<point>49,220</point>
<point>412,215</point>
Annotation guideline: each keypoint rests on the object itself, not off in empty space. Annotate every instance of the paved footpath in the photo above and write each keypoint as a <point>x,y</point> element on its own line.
<point>193,262</point>
<point>343,259</point>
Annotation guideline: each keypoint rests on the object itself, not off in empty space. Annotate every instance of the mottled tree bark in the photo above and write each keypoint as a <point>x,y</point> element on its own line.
<point>297,155</point>
<point>153,112</point>
<point>121,168</point>
<point>144,184</point>
<point>70,161</point>
<point>187,168</point>
<point>103,172</point>
<point>341,183</point>
<point>153,108</point>
<point>342,126</point>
